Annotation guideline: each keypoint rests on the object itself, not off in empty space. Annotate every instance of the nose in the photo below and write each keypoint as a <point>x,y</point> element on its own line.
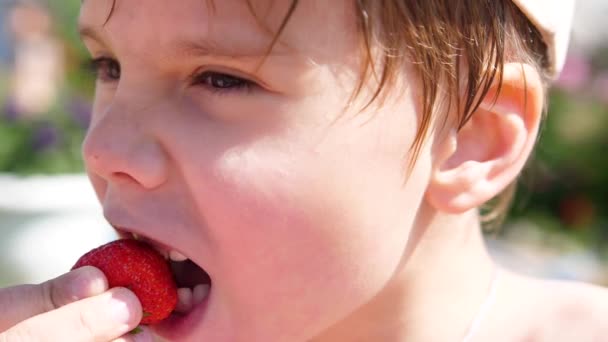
<point>119,147</point>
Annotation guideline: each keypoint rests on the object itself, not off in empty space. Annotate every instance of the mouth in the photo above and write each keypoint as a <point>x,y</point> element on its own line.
<point>193,282</point>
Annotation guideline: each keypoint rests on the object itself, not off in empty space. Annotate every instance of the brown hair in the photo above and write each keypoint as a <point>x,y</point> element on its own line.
<point>460,46</point>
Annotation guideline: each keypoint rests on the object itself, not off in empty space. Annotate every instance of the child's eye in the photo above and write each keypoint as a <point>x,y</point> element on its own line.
<point>105,69</point>
<point>222,82</point>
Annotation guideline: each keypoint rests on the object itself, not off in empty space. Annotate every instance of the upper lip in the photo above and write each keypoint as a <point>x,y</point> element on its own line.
<point>126,227</point>
<point>127,232</point>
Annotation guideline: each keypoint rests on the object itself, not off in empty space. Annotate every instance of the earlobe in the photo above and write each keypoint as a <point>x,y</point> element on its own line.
<point>489,152</point>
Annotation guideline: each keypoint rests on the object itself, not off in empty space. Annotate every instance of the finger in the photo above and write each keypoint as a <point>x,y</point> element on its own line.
<point>105,317</point>
<point>144,335</point>
<point>22,302</point>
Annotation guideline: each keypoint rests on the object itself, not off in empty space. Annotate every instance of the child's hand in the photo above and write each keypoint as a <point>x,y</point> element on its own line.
<point>76,306</point>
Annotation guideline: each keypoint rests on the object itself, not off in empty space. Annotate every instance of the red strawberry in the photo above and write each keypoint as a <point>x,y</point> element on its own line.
<point>139,267</point>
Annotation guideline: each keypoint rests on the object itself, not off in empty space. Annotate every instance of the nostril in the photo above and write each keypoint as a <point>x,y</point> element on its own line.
<point>126,155</point>
<point>123,176</point>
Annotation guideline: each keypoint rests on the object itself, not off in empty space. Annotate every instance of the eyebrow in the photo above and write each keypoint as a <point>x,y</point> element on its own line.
<point>242,48</point>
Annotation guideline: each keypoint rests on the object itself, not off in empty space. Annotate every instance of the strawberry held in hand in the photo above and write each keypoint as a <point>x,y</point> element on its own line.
<point>139,267</point>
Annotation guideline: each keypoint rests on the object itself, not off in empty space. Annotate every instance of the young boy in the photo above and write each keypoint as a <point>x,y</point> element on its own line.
<point>322,162</point>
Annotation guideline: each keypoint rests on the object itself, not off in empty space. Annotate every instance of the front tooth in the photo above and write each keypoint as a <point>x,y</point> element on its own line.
<point>199,293</point>
<point>184,300</point>
<point>177,256</point>
<point>135,236</point>
<point>162,252</point>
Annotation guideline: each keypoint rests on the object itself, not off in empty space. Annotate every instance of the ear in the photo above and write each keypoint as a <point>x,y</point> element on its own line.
<point>487,154</point>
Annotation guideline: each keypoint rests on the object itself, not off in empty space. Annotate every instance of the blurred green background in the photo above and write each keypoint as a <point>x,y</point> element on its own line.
<point>558,226</point>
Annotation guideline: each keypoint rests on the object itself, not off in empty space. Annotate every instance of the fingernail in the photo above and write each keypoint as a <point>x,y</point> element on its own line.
<point>88,281</point>
<point>123,305</point>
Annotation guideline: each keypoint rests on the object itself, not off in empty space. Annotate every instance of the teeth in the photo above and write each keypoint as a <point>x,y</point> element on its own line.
<point>163,252</point>
<point>187,298</point>
<point>199,293</point>
<point>177,256</point>
<point>184,300</point>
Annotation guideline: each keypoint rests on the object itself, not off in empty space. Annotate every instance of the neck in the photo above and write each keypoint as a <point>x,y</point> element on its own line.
<point>437,290</point>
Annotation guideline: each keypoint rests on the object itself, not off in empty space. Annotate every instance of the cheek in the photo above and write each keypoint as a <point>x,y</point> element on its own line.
<point>273,224</point>
<point>308,232</point>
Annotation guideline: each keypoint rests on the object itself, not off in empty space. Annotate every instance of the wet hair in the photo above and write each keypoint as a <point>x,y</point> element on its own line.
<point>456,48</point>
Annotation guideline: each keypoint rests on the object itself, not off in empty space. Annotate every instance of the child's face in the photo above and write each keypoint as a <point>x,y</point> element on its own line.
<point>294,205</point>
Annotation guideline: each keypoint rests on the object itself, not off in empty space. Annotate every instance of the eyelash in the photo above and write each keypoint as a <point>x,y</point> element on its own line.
<point>220,82</point>
<point>107,69</point>
<point>104,69</point>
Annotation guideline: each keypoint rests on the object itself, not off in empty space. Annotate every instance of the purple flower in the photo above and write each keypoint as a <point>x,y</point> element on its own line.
<point>45,136</point>
<point>9,111</point>
<point>576,73</point>
<point>600,87</point>
<point>81,112</point>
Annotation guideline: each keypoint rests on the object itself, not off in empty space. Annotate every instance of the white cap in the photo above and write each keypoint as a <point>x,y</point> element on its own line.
<point>553,18</point>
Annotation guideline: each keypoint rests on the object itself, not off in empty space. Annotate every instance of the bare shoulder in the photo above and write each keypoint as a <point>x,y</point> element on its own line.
<point>585,304</point>
<point>571,311</point>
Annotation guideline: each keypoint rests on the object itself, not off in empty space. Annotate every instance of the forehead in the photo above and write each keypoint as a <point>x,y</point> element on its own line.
<point>316,26</point>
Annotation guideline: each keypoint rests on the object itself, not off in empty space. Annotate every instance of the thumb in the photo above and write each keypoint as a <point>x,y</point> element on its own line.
<point>101,318</point>
<point>19,303</point>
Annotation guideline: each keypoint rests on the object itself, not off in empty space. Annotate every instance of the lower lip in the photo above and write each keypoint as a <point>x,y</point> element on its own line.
<point>180,327</point>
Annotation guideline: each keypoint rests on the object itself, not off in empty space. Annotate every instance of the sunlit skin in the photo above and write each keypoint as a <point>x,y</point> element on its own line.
<point>298,205</point>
